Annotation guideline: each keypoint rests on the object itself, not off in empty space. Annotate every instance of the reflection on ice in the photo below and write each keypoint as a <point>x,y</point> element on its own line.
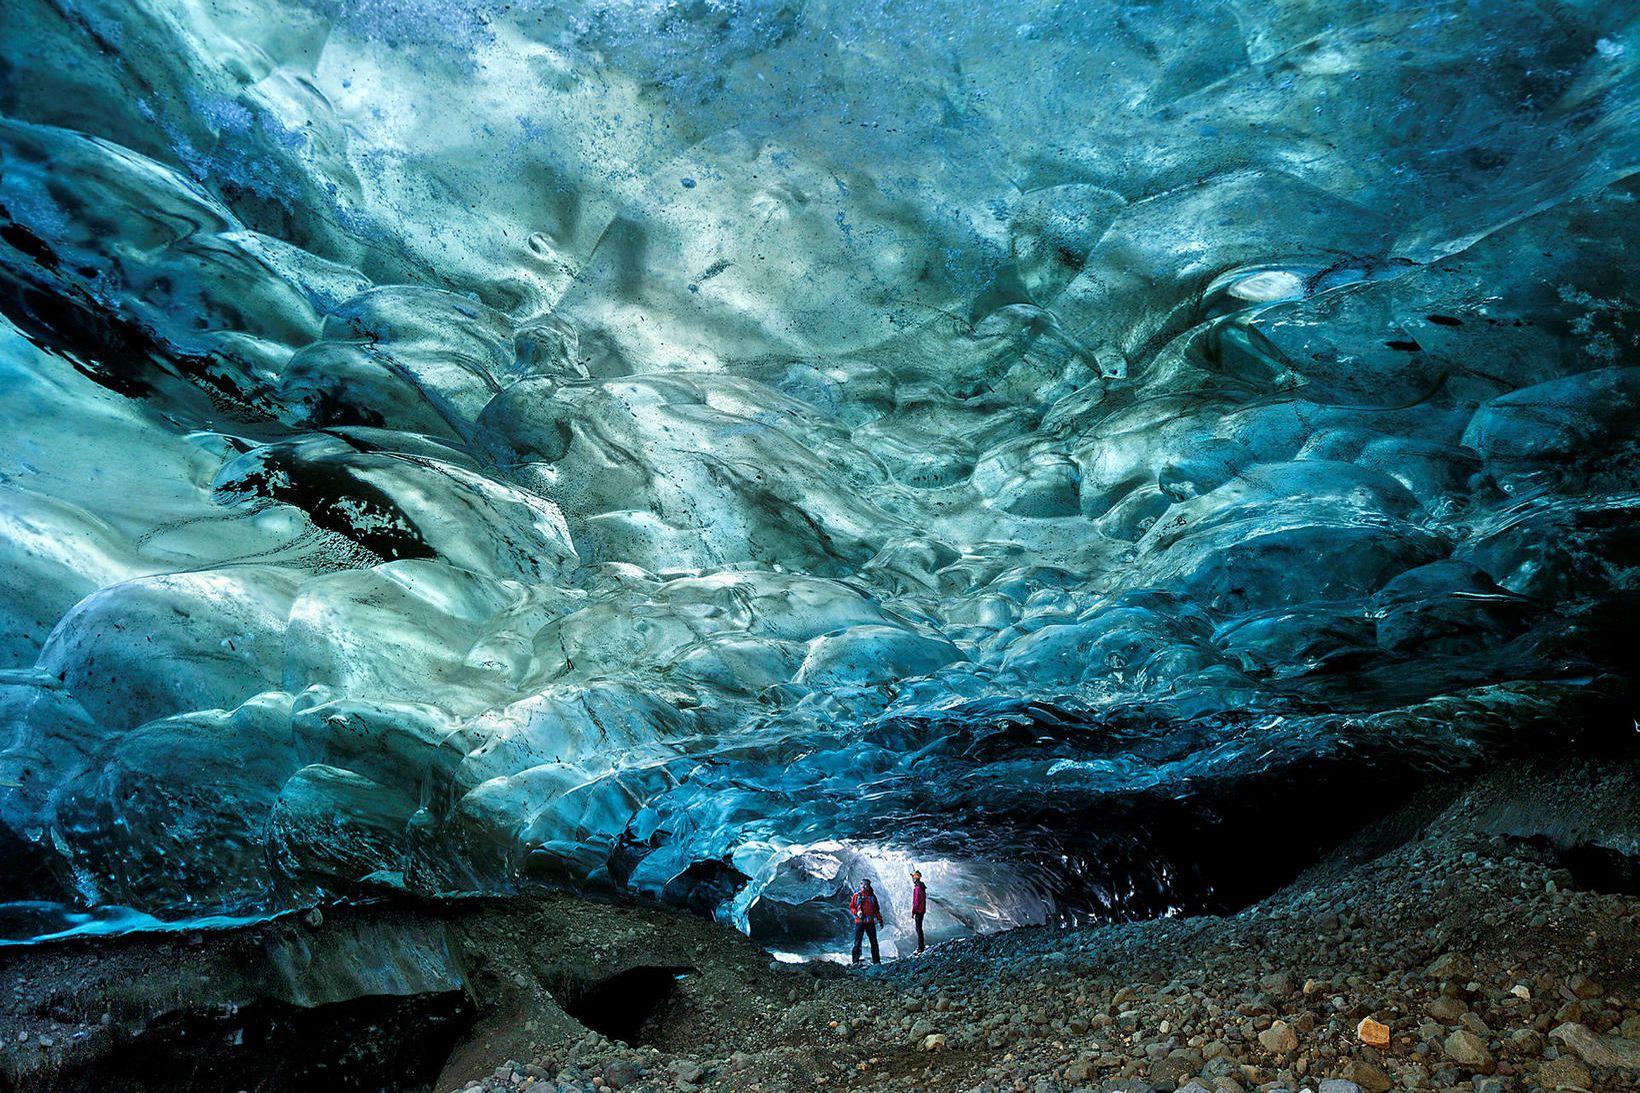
<point>27,922</point>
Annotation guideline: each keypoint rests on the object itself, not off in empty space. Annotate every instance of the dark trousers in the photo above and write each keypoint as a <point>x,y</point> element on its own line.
<point>921,944</point>
<point>866,929</point>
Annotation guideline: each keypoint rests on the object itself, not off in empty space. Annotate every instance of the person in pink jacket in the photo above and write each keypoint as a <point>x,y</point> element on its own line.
<point>868,915</point>
<point>919,905</point>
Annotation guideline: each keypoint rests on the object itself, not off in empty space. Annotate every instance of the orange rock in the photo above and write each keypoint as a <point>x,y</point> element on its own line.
<point>1373,1033</point>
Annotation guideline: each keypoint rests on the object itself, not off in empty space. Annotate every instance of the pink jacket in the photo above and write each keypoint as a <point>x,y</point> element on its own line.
<point>919,897</point>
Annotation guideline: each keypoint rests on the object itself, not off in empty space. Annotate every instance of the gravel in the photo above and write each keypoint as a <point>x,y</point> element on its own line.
<point>1459,962</point>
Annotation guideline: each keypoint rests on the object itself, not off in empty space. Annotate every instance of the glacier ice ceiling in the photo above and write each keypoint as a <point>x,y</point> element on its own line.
<point>716,449</point>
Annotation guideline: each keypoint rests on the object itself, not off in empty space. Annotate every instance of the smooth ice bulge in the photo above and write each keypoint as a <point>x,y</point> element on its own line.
<point>722,451</point>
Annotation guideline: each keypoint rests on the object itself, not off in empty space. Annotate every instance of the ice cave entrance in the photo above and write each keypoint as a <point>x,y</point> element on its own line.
<point>797,907</point>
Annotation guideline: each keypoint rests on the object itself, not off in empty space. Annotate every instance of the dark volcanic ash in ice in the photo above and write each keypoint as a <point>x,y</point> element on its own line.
<point>722,450</point>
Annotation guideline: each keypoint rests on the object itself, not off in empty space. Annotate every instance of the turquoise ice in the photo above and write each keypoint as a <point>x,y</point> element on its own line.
<point>722,450</point>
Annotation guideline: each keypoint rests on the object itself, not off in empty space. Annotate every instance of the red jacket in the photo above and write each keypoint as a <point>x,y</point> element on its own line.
<point>863,906</point>
<point>919,898</point>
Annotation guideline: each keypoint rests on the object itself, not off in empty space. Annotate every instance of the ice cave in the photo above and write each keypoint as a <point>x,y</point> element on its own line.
<point>686,457</point>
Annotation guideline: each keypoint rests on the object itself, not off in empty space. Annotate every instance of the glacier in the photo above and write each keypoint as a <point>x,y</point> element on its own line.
<point>718,450</point>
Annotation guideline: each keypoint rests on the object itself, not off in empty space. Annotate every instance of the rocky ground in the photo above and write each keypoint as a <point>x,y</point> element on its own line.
<point>1444,952</point>
<point>1483,939</point>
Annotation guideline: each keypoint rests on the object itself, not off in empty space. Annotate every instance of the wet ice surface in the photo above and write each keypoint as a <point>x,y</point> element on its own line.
<point>724,451</point>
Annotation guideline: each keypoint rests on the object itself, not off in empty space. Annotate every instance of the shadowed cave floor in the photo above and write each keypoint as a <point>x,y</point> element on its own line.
<point>1491,925</point>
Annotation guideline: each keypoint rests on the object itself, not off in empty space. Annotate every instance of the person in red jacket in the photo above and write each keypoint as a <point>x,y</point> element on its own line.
<point>867,917</point>
<point>919,905</point>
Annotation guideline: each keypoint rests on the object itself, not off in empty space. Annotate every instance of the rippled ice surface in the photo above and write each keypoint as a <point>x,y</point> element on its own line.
<point>724,449</point>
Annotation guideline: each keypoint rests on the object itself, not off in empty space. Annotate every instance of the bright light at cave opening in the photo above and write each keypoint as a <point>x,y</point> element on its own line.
<point>798,902</point>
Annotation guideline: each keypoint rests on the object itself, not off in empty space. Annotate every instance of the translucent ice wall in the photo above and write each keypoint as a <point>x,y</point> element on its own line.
<point>723,449</point>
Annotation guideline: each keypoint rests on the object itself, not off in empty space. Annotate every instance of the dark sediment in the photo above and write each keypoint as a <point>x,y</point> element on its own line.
<point>1490,927</point>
